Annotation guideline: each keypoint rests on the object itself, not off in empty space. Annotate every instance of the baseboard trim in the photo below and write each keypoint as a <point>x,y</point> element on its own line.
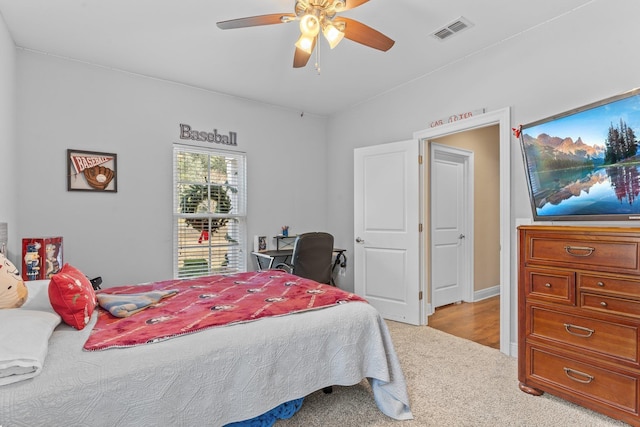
<point>486,293</point>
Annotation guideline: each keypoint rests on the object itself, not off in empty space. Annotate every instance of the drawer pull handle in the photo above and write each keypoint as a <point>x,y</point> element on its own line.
<point>600,284</point>
<point>569,328</point>
<point>581,249</point>
<point>547,285</point>
<point>578,376</point>
<point>603,304</point>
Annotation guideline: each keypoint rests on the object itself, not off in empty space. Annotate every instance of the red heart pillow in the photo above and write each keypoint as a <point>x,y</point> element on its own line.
<point>72,296</point>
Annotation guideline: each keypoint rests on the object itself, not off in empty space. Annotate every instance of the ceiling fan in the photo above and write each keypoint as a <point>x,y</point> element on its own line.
<point>316,16</point>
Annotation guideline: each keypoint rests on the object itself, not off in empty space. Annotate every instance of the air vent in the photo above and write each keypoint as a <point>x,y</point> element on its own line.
<point>452,28</point>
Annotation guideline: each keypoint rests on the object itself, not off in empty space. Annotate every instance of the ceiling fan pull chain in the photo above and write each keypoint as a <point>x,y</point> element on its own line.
<point>317,56</point>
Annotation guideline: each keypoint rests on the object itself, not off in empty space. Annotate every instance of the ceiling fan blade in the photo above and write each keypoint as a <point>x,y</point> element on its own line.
<point>351,4</point>
<point>253,21</point>
<point>363,34</point>
<point>300,58</point>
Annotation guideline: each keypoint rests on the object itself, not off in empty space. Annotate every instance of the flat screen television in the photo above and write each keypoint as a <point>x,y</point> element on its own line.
<point>584,164</point>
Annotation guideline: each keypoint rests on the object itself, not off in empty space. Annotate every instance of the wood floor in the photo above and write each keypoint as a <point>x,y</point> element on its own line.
<point>477,321</point>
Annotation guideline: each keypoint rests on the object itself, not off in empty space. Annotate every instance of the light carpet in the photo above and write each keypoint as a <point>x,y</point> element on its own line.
<point>451,382</point>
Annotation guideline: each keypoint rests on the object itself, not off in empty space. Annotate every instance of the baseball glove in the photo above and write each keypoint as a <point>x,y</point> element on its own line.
<point>98,177</point>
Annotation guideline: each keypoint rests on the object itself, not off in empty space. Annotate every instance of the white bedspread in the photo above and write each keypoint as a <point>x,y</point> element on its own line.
<point>24,341</point>
<point>213,377</point>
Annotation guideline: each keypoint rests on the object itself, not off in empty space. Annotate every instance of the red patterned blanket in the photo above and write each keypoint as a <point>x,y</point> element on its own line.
<point>206,302</point>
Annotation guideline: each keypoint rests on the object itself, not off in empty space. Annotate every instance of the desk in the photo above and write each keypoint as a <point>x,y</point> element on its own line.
<point>285,242</point>
<point>270,258</point>
<point>267,259</point>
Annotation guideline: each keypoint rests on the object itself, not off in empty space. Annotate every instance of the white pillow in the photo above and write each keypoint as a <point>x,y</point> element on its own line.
<point>24,343</point>
<point>38,298</point>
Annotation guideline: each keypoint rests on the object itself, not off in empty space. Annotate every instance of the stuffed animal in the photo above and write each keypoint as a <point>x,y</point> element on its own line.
<point>13,292</point>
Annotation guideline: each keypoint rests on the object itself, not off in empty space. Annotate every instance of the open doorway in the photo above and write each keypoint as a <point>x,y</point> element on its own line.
<point>499,119</point>
<point>465,230</point>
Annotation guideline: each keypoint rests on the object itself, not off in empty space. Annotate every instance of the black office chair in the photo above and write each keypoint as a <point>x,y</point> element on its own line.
<point>312,257</point>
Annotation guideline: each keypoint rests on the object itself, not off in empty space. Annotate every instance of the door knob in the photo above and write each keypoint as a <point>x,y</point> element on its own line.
<point>359,240</point>
<point>461,236</point>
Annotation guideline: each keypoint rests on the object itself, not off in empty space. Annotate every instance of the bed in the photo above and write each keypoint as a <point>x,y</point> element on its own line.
<point>213,377</point>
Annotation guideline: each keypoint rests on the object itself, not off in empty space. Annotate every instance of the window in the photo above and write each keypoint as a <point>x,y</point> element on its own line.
<point>209,212</point>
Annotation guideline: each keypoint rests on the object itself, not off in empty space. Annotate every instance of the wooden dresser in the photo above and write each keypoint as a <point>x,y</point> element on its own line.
<point>579,316</point>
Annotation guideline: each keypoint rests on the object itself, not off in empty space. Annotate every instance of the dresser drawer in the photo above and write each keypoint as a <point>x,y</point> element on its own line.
<point>603,338</point>
<point>614,285</point>
<point>583,380</point>
<point>551,285</point>
<point>593,252</point>
<point>607,304</point>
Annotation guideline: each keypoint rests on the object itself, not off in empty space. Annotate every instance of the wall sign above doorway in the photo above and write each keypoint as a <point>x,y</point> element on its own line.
<point>456,117</point>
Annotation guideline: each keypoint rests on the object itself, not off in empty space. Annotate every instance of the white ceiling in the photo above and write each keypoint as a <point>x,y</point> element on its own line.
<point>178,40</point>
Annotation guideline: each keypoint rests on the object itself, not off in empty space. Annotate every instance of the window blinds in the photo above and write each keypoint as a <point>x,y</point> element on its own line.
<point>209,212</point>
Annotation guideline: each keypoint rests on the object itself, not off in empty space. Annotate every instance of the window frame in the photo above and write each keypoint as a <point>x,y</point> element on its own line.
<point>238,214</point>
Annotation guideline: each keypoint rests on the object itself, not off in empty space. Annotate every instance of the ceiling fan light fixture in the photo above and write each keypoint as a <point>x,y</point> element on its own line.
<point>309,25</point>
<point>305,43</point>
<point>332,34</point>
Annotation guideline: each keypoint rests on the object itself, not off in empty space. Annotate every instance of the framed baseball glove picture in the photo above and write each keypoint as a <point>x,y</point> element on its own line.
<point>91,171</point>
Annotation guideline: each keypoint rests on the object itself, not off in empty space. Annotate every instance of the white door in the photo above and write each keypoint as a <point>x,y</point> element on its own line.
<point>450,278</point>
<point>386,221</point>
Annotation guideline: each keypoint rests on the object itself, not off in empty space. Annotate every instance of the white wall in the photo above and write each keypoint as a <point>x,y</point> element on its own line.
<point>8,170</point>
<point>579,58</point>
<point>126,237</point>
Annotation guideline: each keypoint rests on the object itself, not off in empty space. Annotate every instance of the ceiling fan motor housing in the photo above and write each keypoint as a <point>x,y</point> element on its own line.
<point>321,9</point>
